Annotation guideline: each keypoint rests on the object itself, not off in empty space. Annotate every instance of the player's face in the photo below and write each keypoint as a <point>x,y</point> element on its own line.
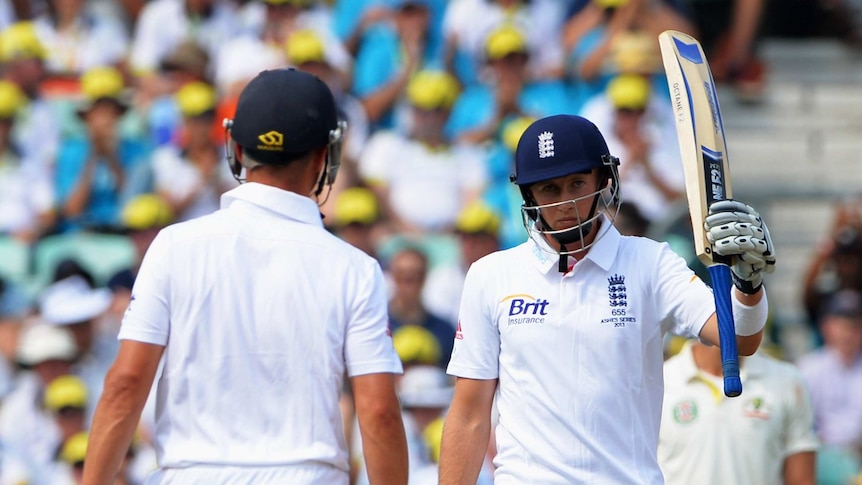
<point>627,121</point>
<point>408,271</point>
<point>428,123</point>
<point>102,118</point>
<point>319,69</point>
<point>67,8</point>
<point>199,130</point>
<point>573,191</point>
<point>412,19</point>
<point>843,334</point>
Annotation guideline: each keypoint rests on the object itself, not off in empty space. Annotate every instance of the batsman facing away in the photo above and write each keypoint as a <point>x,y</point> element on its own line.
<point>566,330</point>
<point>258,312</point>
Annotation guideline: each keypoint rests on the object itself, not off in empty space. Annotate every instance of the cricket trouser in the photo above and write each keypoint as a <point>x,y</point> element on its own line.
<point>241,475</point>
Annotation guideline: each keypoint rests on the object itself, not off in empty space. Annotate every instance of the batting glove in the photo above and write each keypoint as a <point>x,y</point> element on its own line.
<point>736,230</point>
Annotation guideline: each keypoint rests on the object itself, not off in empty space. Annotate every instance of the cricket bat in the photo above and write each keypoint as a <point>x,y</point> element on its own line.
<point>707,175</point>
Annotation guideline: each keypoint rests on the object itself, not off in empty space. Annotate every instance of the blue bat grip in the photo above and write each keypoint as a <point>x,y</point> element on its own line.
<point>721,286</point>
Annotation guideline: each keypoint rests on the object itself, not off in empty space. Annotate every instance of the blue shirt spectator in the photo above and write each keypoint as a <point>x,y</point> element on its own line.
<point>483,108</point>
<point>407,270</point>
<point>478,104</point>
<point>96,174</point>
<point>107,194</point>
<point>442,330</point>
<point>388,56</point>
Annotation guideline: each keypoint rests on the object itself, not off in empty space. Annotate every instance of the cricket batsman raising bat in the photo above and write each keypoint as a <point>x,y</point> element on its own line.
<point>730,238</point>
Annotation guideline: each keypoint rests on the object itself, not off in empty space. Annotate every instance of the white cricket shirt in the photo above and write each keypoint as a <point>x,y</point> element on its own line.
<point>427,187</point>
<point>179,179</point>
<point>26,192</point>
<point>262,311</point>
<point>657,125</point>
<point>578,356</point>
<point>707,438</point>
<point>96,40</point>
<point>163,24</point>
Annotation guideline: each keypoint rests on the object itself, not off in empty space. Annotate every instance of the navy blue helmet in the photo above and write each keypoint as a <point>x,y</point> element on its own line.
<point>557,146</point>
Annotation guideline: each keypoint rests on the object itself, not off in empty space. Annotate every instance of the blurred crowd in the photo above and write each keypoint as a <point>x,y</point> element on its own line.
<point>111,128</point>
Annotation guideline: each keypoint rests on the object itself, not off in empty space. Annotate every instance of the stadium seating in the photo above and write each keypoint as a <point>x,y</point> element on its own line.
<point>101,254</point>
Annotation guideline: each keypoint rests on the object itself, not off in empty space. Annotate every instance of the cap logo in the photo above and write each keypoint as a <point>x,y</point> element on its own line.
<point>546,144</point>
<point>271,140</point>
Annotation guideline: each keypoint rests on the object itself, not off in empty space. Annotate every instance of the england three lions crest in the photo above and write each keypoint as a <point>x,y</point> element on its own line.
<point>618,303</point>
<point>617,292</point>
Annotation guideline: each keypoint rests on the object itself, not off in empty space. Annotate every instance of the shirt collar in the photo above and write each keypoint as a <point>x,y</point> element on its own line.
<point>602,253</point>
<point>283,202</point>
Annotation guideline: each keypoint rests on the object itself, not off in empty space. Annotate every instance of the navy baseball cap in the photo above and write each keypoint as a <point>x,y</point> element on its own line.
<point>283,113</point>
<point>558,145</point>
<point>848,241</point>
<point>845,303</point>
<point>396,4</point>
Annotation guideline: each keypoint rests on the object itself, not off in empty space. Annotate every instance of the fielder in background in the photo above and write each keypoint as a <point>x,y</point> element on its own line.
<point>258,312</point>
<point>764,436</point>
<point>566,329</point>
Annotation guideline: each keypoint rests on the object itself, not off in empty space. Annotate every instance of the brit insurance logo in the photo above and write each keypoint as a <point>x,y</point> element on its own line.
<point>618,302</point>
<point>523,308</point>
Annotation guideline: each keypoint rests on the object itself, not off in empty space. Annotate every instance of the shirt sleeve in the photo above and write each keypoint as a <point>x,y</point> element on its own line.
<point>666,159</point>
<point>241,59</point>
<point>144,54</point>
<point>812,377</point>
<point>476,354</point>
<point>368,342</point>
<point>336,53</point>
<point>376,61</point>
<point>374,167</point>
<point>147,319</point>
<point>683,301</point>
<point>70,163</point>
<point>799,428</point>
<point>111,41</point>
<point>451,20</point>
<point>40,187</point>
<point>582,50</point>
<point>473,173</point>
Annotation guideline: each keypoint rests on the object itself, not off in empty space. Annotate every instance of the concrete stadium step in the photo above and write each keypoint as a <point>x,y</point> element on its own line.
<point>813,161</point>
<point>794,106</point>
<point>811,60</point>
<point>795,221</point>
<point>810,83</point>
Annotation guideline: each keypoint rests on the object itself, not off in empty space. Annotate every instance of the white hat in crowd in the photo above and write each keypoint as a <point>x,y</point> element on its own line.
<point>425,386</point>
<point>72,300</point>
<point>43,342</point>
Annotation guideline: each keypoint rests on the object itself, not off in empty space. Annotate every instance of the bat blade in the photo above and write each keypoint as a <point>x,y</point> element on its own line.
<point>700,131</point>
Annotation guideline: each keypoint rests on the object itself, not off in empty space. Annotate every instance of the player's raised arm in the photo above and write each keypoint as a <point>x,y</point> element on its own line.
<point>724,230</point>
<point>736,231</point>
